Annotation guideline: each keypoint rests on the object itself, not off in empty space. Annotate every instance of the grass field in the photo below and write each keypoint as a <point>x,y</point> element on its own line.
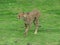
<point>12,29</point>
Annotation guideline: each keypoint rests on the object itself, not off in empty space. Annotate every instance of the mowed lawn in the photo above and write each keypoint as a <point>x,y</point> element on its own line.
<point>12,29</point>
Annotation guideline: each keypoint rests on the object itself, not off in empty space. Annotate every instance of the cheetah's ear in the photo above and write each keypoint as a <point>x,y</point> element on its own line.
<point>28,13</point>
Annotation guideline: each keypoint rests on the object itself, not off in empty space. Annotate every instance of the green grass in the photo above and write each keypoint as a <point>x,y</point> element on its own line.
<point>12,29</point>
